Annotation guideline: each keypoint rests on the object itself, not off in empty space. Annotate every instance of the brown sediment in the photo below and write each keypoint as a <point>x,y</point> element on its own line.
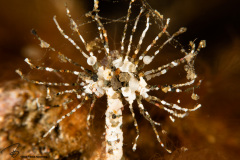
<point>23,121</point>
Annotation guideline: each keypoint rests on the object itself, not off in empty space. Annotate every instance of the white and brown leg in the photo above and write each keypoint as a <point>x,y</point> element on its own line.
<point>172,87</point>
<point>62,57</point>
<point>101,29</point>
<point>69,91</point>
<point>141,38</point>
<point>89,114</point>
<point>148,59</point>
<point>44,83</point>
<point>63,117</point>
<point>166,67</point>
<point>133,31</point>
<point>180,31</point>
<point>142,111</point>
<point>126,26</point>
<point>136,126</point>
<point>174,106</point>
<point>69,39</point>
<point>74,26</point>
<point>51,69</point>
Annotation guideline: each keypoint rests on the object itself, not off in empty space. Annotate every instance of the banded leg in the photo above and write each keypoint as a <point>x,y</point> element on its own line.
<point>126,25</point>
<point>68,38</point>
<point>76,91</point>
<point>69,91</point>
<point>142,37</point>
<point>142,56</point>
<point>90,110</point>
<point>44,83</point>
<point>63,117</point>
<point>101,29</point>
<point>51,69</point>
<point>173,106</point>
<point>180,31</point>
<point>62,57</point>
<point>133,31</point>
<point>74,26</point>
<point>142,110</point>
<point>172,64</point>
<point>136,126</point>
<point>172,87</point>
<point>187,58</point>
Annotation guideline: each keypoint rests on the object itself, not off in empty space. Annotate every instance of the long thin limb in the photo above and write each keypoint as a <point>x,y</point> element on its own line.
<point>74,26</point>
<point>45,83</point>
<point>101,29</point>
<point>63,117</point>
<point>133,30</point>
<point>103,32</point>
<point>180,31</point>
<point>172,87</point>
<point>172,106</point>
<point>165,88</point>
<point>136,126</point>
<point>68,38</point>
<point>76,91</point>
<point>69,91</point>
<point>142,110</point>
<point>155,40</point>
<point>90,110</point>
<point>51,69</point>
<point>126,25</point>
<point>163,69</point>
<point>62,57</point>
<point>142,38</point>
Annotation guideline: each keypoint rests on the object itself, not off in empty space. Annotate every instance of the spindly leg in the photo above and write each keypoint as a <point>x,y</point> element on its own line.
<point>142,38</point>
<point>180,31</point>
<point>188,58</point>
<point>74,26</point>
<point>136,126</point>
<point>90,110</point>
<point>62,57</point>
<point>142,111</point>
<point>173,87</point>
<point>101,29</point>
<point>143,55</point>
<point>51,69</point>
<point>69,91</point>
<point>126,25</point>
<point>68,38</point>
<point>172,106</point>
<point>43,83</point>
<point>63,117</point>
<point>133,31</point>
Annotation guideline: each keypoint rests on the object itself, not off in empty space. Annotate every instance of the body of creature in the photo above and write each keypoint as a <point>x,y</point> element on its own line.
<point>121,76</point>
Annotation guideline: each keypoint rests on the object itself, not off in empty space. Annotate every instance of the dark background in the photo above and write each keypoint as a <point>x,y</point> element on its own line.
<point>215,129</point>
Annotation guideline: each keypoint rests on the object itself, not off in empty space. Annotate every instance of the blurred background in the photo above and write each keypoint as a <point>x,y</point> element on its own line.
<point>213,132</point>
